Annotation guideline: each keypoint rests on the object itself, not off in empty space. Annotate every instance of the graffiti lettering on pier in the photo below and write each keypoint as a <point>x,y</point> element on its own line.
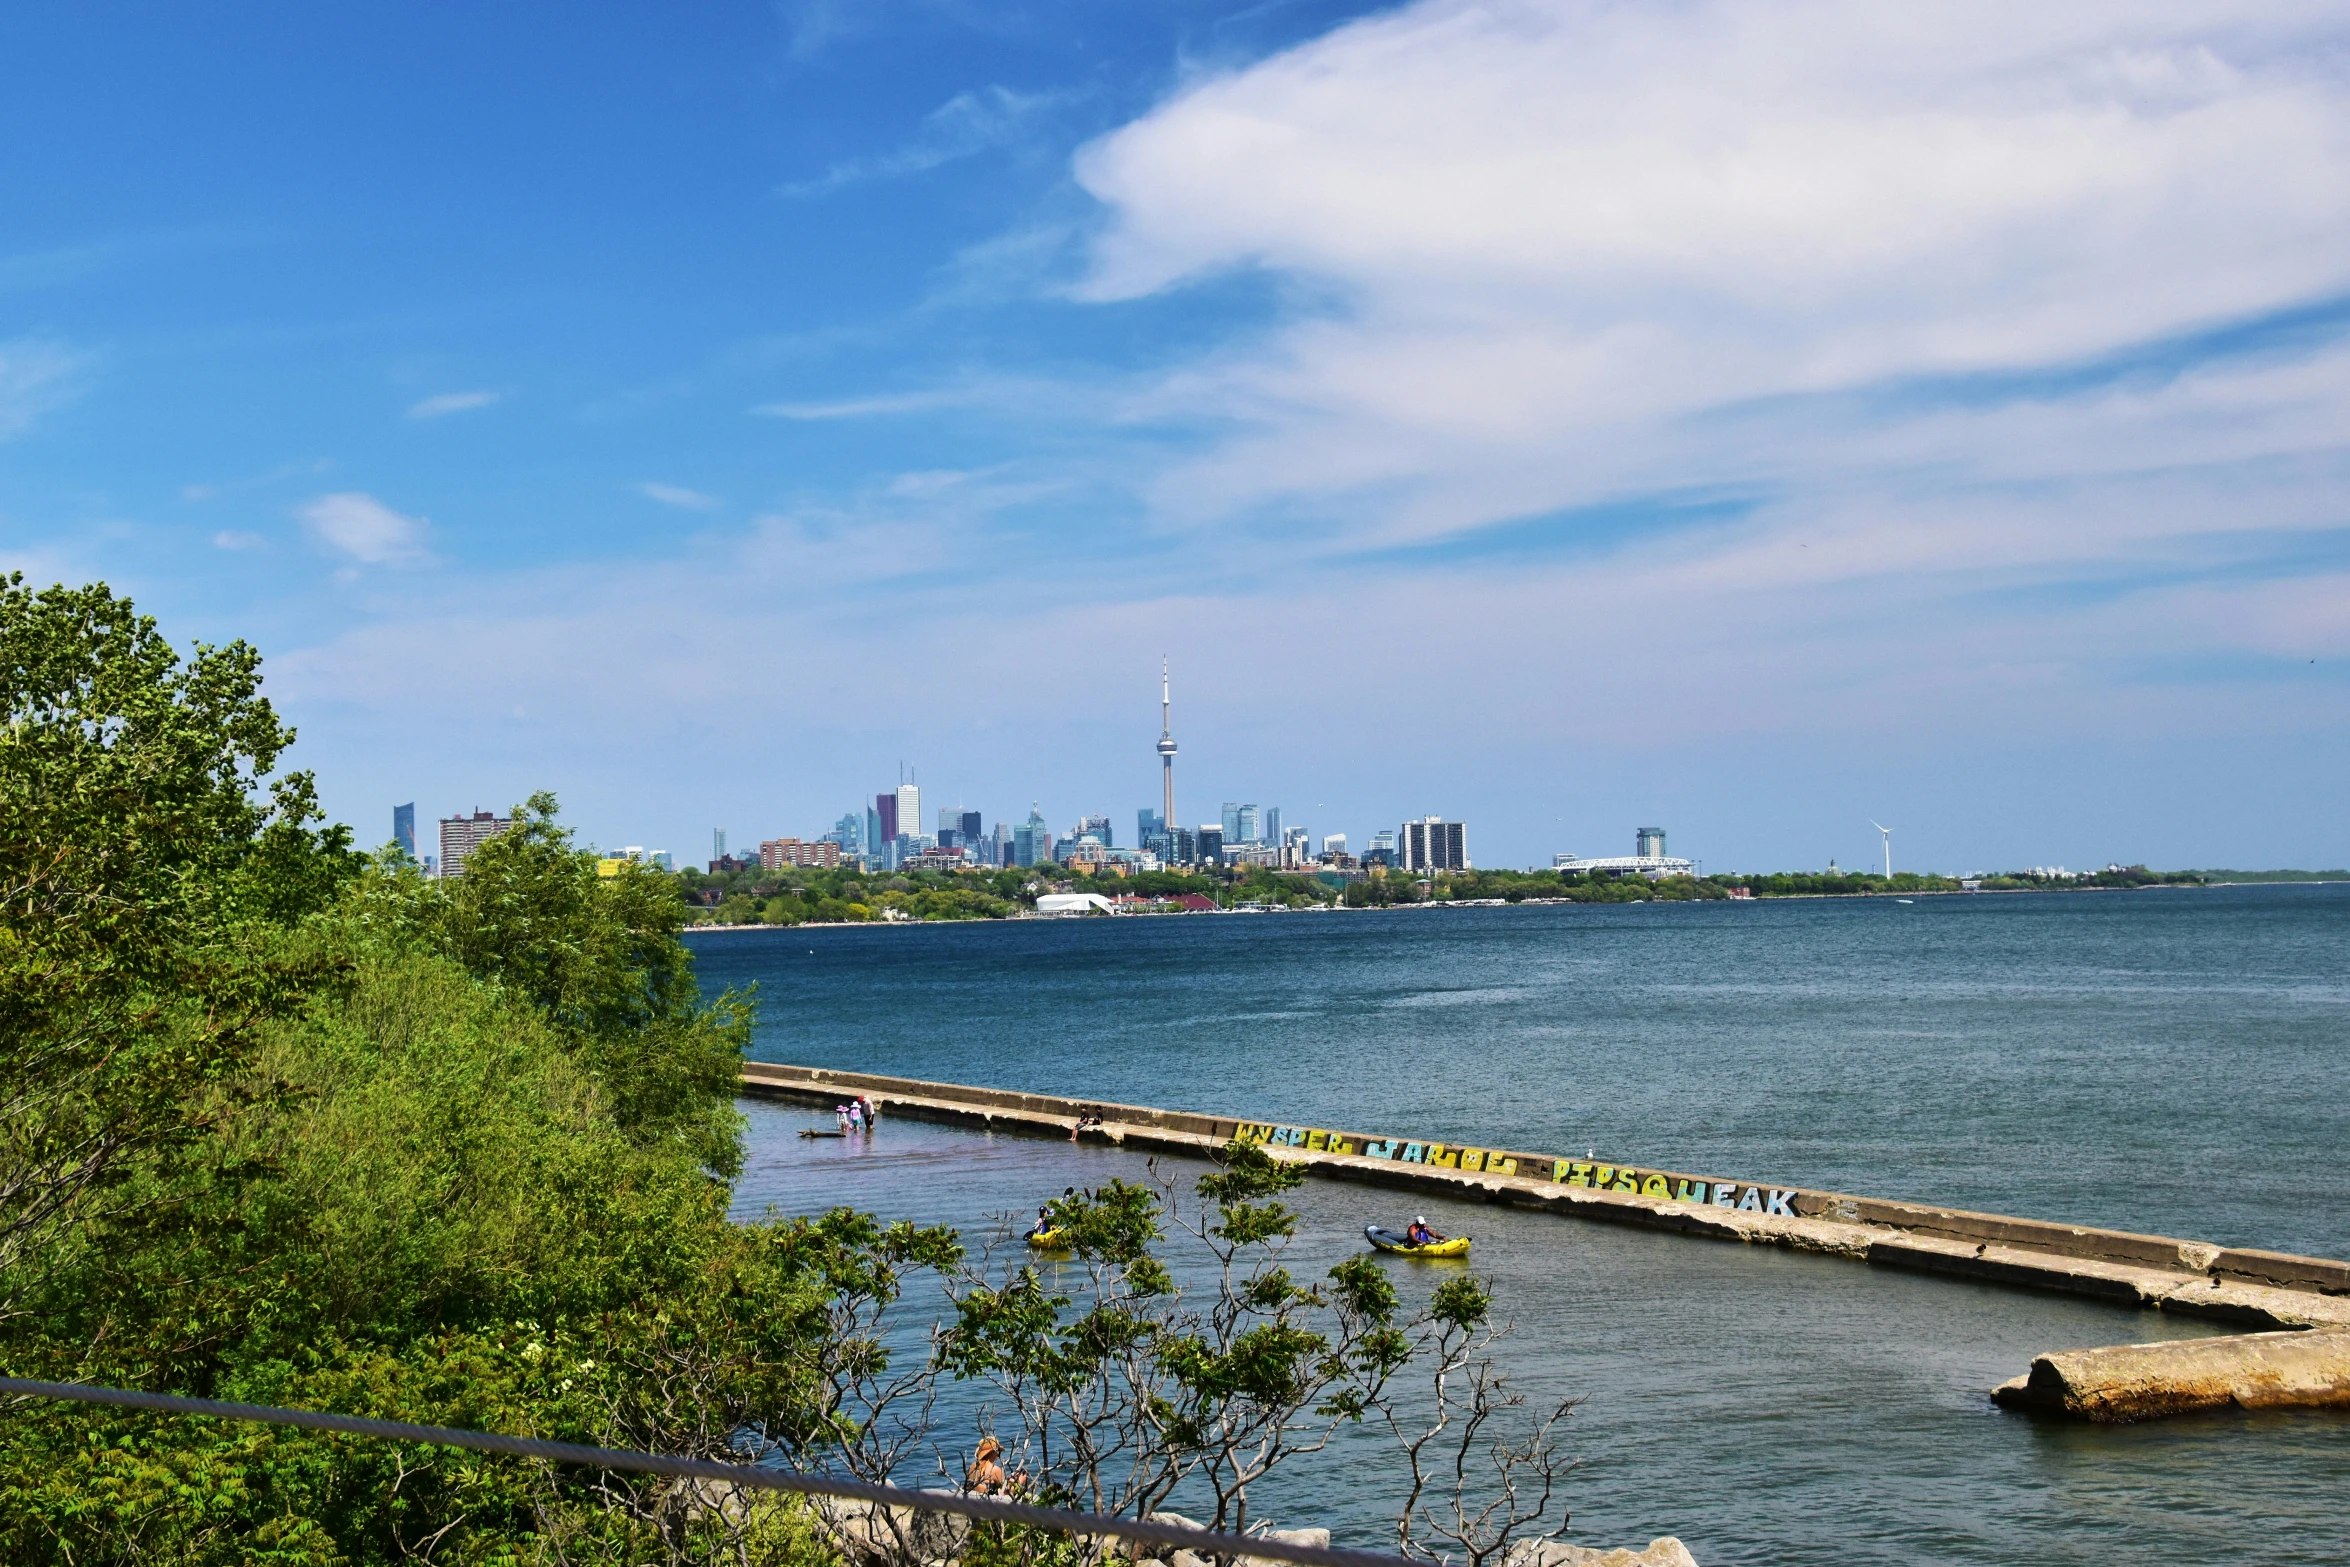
<point>1565,1172</point>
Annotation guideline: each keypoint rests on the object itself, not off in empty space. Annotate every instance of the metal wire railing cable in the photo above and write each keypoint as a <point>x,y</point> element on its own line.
<point>1205,1542</point>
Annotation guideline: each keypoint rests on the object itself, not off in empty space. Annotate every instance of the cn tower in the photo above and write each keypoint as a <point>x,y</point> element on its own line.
<point>1167,747</point>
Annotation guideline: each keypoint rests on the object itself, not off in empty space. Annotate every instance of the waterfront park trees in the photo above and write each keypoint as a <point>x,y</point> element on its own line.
<point>286,1123</point>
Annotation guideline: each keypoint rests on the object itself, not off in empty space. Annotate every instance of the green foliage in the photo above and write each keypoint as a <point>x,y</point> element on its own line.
<point>596,956</point>
<point>1129,1383</point>
<point>148,901</point>
<point>287,1126</point>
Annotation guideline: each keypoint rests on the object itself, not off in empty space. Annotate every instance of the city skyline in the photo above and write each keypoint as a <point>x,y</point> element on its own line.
<point>694,411</point>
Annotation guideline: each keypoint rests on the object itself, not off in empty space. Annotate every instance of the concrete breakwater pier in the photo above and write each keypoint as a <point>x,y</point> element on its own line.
<point>2233,1284</point>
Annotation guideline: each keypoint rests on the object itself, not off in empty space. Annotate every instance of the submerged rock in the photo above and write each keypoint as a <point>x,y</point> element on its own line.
<point>1663,1551</point>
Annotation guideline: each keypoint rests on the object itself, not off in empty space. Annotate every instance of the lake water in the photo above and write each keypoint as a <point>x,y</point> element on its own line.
<point>2169,1061</point>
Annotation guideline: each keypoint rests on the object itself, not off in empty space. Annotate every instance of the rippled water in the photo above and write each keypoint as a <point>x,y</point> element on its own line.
<point>2177,1062</point>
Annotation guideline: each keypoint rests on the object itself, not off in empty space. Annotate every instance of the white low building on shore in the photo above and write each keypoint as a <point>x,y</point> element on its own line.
<point>1074,903</point>
<point>1653,866</point>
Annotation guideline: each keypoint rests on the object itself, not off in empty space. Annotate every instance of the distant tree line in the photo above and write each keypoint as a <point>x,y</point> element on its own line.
<point>793,896</point>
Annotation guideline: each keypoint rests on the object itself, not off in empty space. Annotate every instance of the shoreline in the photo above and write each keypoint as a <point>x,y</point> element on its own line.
<point>1505,903</point>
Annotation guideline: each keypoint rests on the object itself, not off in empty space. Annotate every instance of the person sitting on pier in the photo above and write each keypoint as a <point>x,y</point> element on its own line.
<point>1419,1234</point>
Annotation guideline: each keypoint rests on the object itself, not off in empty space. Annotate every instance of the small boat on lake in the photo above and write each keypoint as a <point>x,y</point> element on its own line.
<point>1399,1243</point>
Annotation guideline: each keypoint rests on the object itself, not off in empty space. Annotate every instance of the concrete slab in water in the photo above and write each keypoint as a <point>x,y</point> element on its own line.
<point>2149,1381</point>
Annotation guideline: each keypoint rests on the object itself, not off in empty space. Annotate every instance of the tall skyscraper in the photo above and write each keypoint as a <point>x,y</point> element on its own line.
<point>885,807</point>
<point>1166,745</point>
<point>1240,823</point>
<point>1032,840</point>
<point>1649,841</point>
<point>1095,827</point>
<point>1148,824</point>
<point>718,843</point>
<point>1002,844</point>
<point>404,828</point>
<point>909,809</point>
<point>1272,832</point>
<point>1434,844</point>
<point>1211,843</point>
<point>848,832</point>
<point>968,828</point>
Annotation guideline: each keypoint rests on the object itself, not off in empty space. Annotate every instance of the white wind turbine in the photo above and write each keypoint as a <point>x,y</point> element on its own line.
<point>1887,833</point>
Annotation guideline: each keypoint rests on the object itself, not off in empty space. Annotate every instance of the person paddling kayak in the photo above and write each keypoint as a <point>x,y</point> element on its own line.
<point>1418,1232</point>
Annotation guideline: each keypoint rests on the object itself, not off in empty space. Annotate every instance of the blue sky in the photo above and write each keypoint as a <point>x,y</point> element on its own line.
<point>1562,416</point>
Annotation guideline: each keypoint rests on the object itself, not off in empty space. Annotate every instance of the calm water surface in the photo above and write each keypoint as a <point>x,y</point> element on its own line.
<point>2176,1062</point>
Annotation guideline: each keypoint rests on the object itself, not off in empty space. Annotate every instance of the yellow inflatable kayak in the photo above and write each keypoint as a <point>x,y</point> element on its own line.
<point>1390,1240</point>
<point>1049,1240</point>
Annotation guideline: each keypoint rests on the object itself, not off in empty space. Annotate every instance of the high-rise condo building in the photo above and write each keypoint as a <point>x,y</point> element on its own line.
<point>1649,841</point>
<point>1002,843</point>
<point>885,813</point>
<point>461,835</point>
<point>968,828</point>
<point>404,828</point>
<point>718,843</point>
<point>1240,824</point>
<point>1334,844</point>
<point>1434,844</point>
<point>1211,843</point>
<point>1148,824</point>
<point>848,832</point>
<point>1094,827</point>
<point>1272,833</point>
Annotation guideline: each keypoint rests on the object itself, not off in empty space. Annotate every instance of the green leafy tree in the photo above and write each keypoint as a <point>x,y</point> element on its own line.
<point>150,866</point>
<point>1132,1383</point>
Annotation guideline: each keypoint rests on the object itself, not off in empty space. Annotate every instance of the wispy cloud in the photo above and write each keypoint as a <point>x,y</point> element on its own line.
<point>880,406</point>
<point>367,530</point>
<point>232,539</point>
<point>964,126</point>
<point>678,495</point>
<point>452,403</point>
<point>37,374</point>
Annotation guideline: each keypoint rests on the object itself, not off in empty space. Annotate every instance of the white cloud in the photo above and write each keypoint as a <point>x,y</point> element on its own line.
<point>231,539</point>
<point>367,530</point>
<point>1549,231</point>
<point>677,495</point>
<point>452,403</point>
<point>36,375</point>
